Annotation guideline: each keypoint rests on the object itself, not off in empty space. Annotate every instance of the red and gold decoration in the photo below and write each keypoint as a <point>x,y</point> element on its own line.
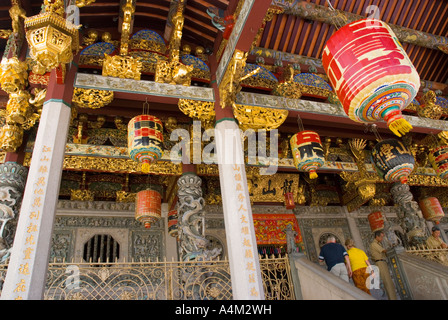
<point>376,221</point>
<point>173,229</point>
<point>145,139</point>
<point>148,207</point>
<point>270,228</point>
<point>431,209</point>
<point>371,73</point>
<point>438,157</point>
<point>307,151</point>
<point>392,160</point>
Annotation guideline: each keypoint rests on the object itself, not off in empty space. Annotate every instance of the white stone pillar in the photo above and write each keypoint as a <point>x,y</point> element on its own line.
<point>240,233</point>
<point>27,269</point>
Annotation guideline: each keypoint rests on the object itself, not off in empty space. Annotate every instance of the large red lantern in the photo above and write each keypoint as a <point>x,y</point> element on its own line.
<point>371,73</point>
<point>307,151</point>
<point>392,160</point>
<point>145,139</point>
<point>438,157</point>
<point>431,209</point>
<point>148,207</point>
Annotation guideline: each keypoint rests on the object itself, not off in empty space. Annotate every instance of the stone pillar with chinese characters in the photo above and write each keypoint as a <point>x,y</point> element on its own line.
<point>240,233</point>
<point>27,269</point>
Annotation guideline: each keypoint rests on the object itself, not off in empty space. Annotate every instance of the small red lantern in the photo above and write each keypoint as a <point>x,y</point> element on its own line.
<point>376,221</point>
<point>148,207</point>
<point>289,200</point>
<point>307,151</point>
<point>431,209</point>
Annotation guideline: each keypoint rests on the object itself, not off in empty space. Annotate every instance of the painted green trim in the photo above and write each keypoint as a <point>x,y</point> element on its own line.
<point>59,101</point>
<point>224,119</point>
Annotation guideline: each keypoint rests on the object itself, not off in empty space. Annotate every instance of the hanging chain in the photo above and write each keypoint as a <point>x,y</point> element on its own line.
<point>146,107</point>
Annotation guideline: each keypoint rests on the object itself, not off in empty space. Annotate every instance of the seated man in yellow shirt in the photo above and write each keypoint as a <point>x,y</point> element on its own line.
<point>359,262</point>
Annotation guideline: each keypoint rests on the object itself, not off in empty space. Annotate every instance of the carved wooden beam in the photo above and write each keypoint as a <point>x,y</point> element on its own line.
<point>311,11</point>
<point>291,58</point>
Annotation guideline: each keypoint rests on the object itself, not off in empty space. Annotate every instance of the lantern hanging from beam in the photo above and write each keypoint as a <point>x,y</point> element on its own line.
<point>148,207</point>
<point>376,221</point>
<point>392,160</point>
<point>145,139</point>
<point>307,151</point>
<point>371,73</point>
<point>438,157</point>
<point>431,209</point>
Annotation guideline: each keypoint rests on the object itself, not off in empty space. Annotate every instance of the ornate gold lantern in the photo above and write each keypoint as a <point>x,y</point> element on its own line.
<point>52,39</point>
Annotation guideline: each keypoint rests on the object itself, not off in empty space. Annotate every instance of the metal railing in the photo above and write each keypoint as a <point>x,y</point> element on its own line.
<point>434,254</point>
<point>158,280</point>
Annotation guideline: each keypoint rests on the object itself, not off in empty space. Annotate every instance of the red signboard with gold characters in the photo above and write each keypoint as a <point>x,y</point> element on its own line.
<point>371,73</point>
<point>270,228</point>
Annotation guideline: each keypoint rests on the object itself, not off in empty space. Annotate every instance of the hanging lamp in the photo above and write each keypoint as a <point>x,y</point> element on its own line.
<point>392,160</point>
<point>371,73</point>
<point>148,207</point>
<point>307,150</point>
<point>145,138</point>
<point>431,209</point>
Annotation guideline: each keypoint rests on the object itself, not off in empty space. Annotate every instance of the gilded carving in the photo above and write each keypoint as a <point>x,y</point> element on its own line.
<point>122,67</point>
<point>14,75</point>
<point>92,98</point>
<point>230,83</point>
<point>252,117</point>
<point>200,110</point>
<point>428,106</point>
<point>11,137</point>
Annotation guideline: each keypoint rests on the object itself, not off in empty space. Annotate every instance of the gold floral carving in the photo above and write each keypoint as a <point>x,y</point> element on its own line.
<point>287,87</point>
<point>361,185</point>
<point>173,71</point>
<point>126,67</point>
<point>92,98</point>
<point>123,196</point>
<point>230,83</point>
<point>114,165</point>
<point>14,75</point>
<point>18,107</point>
<point>253,117</point>
<point>11,137</point>
<point>199,110</point>
<point>128,14</point>
<point>428,107</point>
<point>81,195</point>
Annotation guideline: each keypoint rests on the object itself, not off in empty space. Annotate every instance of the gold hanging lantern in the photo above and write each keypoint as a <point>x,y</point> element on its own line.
<point>51,38</point>
<point>148,207</point>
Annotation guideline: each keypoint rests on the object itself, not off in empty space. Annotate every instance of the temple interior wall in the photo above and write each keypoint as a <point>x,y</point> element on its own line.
<point>78,221</point>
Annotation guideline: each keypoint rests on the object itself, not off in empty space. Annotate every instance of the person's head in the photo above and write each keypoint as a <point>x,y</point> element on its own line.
<point>331,239</point>
<point>379,235</point>
<point>435,232</point>
<point>349,243</point>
